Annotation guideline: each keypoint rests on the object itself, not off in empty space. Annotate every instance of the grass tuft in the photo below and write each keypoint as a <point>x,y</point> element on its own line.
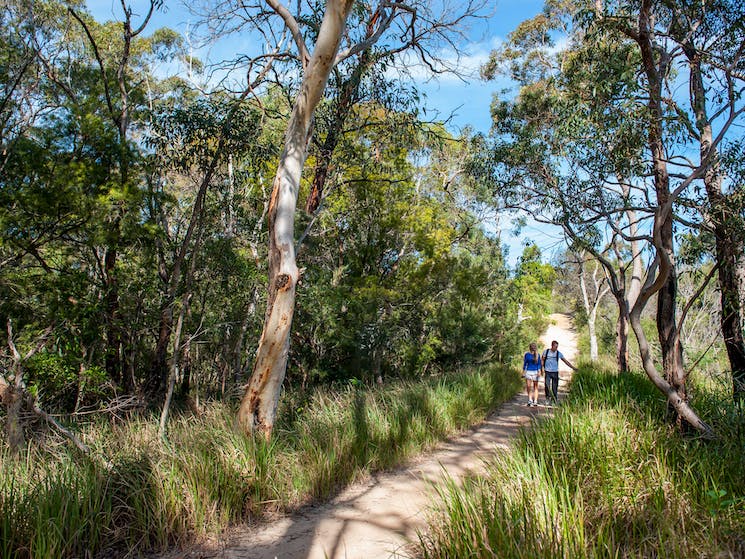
<point>208,475</point>
<point>605,477</point>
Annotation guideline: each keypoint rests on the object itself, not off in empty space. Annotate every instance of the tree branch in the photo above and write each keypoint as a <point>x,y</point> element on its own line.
<point>294,28</point>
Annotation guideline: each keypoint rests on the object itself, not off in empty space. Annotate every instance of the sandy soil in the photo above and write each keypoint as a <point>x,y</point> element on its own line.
<point>379,518</point>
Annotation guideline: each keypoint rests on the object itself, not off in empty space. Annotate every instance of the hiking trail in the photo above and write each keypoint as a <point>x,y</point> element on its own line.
<point>379,518</point>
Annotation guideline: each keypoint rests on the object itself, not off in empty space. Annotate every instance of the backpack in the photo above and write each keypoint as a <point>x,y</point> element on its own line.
<point>545,356</point>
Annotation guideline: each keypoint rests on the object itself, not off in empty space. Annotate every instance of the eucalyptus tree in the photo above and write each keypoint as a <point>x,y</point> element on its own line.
<point>712,38</point>
<point>563,113</point>
<point>323,36</point>
<point>566,148</point>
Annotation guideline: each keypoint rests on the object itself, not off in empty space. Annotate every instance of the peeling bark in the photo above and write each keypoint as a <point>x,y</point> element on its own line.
<point>259,404</point>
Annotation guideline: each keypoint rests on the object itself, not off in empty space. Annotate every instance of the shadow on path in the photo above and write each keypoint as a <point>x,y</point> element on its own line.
<point>381,516</point>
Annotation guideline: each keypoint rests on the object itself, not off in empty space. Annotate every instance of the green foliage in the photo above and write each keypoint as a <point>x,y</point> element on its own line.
<point>533,285</point>
<point>400,280</point>
<point>606,476</point>
<point>63,384</point>
<point>73,191</point>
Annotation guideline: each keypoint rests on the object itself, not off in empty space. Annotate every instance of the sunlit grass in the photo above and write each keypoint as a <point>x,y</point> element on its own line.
<point>606,477</point>
<point>55,503</point>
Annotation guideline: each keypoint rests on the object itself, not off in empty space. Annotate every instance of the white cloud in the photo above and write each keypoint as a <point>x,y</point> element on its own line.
<point>452,66</point>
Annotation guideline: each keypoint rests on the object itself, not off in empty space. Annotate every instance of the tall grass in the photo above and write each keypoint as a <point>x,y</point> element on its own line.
<point>55,503</point>
<point>605,477</point>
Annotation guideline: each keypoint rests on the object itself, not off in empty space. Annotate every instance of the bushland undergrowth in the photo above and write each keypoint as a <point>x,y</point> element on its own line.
<point>608,476</point>
<point>55,504</point>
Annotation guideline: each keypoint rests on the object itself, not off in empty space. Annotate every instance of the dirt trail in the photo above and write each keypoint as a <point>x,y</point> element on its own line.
<point>377,519</point>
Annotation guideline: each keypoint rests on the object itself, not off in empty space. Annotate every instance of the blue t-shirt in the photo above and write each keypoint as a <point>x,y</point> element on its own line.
<point>551,362</point>
<point>529,364</point>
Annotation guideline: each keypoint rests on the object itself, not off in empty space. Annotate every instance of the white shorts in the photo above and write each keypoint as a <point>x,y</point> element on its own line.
<point>532,375</point>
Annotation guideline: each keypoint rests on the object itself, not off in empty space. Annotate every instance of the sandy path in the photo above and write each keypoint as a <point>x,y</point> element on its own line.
<point>377,519</point>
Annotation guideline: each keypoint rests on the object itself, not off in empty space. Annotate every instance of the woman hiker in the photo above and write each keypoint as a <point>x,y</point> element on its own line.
<point>531,371</point>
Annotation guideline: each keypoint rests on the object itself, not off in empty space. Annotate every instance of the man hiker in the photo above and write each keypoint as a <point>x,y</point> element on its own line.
<point>550,369</point>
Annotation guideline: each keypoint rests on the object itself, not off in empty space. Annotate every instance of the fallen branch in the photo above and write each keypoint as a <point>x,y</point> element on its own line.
<point>120,403</point>
<point>66,432</point>
<point>17,396</point>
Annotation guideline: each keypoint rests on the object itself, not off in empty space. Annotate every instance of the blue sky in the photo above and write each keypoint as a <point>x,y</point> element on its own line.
<point>464,100</point>
<point>467,100</point>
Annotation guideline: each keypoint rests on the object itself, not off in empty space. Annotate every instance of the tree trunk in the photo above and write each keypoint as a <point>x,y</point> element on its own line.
<point>622,335</point>
<point>237,364</point>
<point>12,397</point>
<point>635,286</point>
<point>729,243</point>
<point>656,63</point>
<point>259,404</point>
<point>680,405</point>
<point>667,328</point>
<point>176,362</point>
<point>731,259</point>
<point>113,360</point>
<point>593,335</point>
<point>174,368</point>
<point>156,381</point>
<point>738,366</point>
<point>591,307</point>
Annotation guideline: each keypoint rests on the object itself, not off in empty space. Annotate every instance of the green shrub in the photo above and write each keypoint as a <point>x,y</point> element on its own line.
<point>60,384</point>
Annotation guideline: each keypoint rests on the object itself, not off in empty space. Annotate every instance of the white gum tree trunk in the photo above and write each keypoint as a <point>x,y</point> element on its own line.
<point>259,404</point>
<point>428,26</point>
<point>592,303</point>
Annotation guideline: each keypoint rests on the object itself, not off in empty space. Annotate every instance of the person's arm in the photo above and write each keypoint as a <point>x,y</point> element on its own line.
<point>572,367</point>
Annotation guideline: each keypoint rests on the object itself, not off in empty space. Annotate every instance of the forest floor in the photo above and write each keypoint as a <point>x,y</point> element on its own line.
<point>381,517</point>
